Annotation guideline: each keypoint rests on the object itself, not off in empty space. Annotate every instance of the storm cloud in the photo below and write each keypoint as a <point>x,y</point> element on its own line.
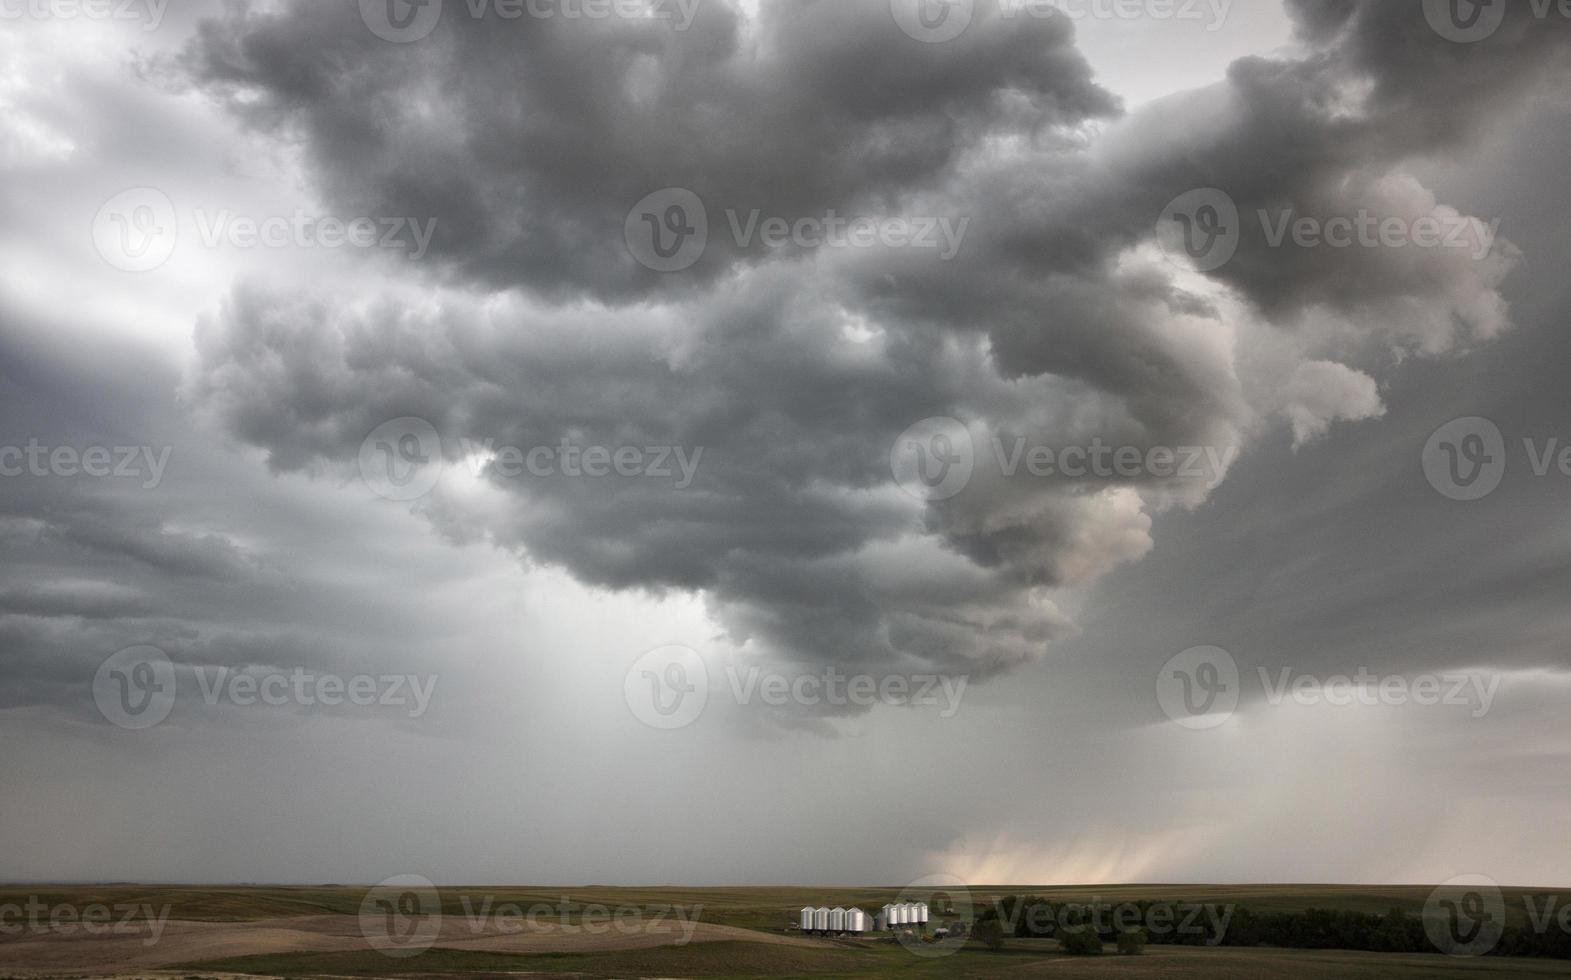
<point>795,370</point>
<point>772,407</point>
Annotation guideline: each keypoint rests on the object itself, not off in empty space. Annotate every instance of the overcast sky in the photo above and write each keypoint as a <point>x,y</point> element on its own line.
<point>581,435</point>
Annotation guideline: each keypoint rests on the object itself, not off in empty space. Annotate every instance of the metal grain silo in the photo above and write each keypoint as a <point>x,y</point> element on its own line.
<point>807,919</point>
<point>821,920</point>
<point>902,914</point>
<point>921,913</point>
<point>882,921</point>
<point>837,919</point>
<point>856,921</point>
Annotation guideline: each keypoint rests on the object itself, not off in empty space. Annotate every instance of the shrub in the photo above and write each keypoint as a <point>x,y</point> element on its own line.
<point>1080,940</point>
<point>989,932</point>
<point>1132,943</point>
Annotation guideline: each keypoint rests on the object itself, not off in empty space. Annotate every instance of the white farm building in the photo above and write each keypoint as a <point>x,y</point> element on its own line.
<point>855,922</point>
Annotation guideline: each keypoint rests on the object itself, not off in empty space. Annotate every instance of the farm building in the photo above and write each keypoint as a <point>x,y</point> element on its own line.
<point>842,921</point>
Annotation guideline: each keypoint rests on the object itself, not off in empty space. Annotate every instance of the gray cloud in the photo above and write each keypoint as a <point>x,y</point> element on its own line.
<point>1058,322</point>
<point>1052,322</point>
<point>529,139</point>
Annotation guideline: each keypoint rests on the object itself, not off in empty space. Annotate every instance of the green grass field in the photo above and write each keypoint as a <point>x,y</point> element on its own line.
<point>756,908</point>
<point>1022,958</point>
<point>772,910</point>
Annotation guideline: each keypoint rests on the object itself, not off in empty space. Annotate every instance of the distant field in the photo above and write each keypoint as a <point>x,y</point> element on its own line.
<point>738,932</point>
<point>1019,959</point>
<point>761,908</point>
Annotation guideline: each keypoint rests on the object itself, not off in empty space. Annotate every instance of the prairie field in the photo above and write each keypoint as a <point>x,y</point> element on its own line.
<point>210,932</point>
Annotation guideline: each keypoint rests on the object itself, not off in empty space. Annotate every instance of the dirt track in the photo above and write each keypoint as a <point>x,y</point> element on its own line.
<point>47,952</point>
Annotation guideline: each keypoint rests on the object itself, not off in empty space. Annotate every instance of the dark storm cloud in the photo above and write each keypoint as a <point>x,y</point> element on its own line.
<point>1324,135</point>
<point>790,523</point>
<point>795,372</point>
<point>528,138</point>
